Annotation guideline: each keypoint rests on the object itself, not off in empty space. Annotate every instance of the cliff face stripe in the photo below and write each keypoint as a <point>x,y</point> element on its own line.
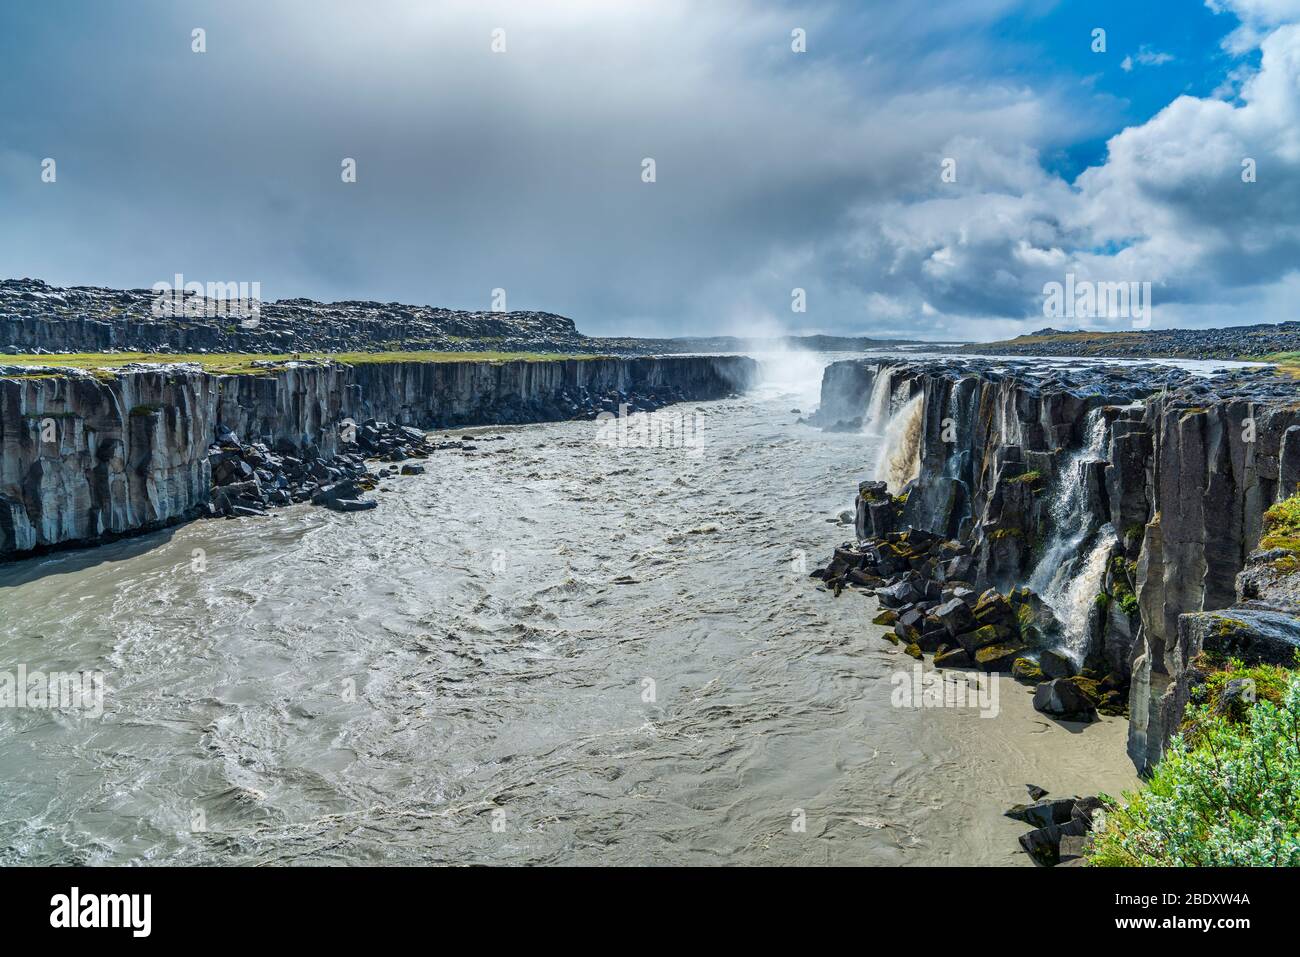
<point>83,458</point>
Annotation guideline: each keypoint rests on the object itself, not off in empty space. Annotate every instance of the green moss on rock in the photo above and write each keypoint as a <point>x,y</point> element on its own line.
<point>1027,670</point>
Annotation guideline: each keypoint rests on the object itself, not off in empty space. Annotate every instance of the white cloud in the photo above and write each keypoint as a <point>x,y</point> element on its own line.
<point>1145,57</point>
<point>1257,17</point>
<point>1168,206</point>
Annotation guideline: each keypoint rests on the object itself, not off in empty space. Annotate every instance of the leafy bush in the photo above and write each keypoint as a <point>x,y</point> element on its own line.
<point>1231,799</point>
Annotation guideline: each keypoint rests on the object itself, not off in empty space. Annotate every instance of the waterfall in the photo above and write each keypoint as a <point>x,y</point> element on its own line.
<point>1068,511</point>
<point>1078,594</point>
<point>876,417</point>
<point>1067,580</point>
<point>900,454</point>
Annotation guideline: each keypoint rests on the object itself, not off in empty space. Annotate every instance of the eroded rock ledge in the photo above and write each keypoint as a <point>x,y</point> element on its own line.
<point>1146,483</point>
<point>85,457</point>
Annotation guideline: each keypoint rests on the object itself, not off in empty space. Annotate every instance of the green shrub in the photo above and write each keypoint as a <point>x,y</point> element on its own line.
<point>1230,799</point>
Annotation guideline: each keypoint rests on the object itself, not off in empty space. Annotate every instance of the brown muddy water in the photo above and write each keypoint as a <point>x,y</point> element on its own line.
<point>545,651</point>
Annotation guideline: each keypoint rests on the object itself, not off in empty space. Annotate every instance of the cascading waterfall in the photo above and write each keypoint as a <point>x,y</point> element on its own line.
<point>1076,596</point>
<point>876,418</point>
<point>1065,579</point>
<point>900,454</point>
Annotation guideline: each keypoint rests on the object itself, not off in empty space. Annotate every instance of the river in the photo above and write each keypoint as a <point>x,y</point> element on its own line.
<point>546,650</point>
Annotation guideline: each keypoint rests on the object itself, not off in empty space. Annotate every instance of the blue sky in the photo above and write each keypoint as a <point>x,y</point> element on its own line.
<point>775,170</point>
<point>1173,49</point>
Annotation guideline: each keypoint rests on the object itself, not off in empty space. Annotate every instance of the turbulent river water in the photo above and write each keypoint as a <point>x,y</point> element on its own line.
<point>547,650</point>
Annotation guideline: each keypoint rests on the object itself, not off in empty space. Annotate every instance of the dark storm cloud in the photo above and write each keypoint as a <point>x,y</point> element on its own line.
<point>522,169</point>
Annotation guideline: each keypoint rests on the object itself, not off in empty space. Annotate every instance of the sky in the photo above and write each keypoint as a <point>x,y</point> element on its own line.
<point>914,171</point>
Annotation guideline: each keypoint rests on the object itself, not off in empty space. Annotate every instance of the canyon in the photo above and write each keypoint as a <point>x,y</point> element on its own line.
<point>612,647</point>
<point>1089,528</point>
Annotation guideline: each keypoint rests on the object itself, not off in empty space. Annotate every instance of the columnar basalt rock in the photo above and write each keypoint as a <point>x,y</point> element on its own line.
<point>1171,475</point>
<point>1218,455</point>
<point>84,457</point>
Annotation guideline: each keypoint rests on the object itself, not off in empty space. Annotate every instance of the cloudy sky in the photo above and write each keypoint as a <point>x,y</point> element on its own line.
<point>774,169</point>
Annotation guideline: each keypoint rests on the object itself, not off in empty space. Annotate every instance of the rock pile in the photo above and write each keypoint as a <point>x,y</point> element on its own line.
<point>1062,828</point>
<point>922,583</point>
<point>249,478</point>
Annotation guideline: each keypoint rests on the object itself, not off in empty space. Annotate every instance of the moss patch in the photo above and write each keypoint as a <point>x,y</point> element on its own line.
<point>1282,525</point>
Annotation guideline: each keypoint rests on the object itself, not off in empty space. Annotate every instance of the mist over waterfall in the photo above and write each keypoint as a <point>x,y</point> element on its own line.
<point>900,454</point>
<point>1065,579</point>
<point>794,373</point>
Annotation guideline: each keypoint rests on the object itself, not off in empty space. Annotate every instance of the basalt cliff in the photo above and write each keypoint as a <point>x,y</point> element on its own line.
<point>89,456</point>
<point>1092,528</point>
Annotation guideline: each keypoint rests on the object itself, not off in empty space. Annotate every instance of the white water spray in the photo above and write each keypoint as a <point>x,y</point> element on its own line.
<point>900,454</point>
<point>876,418</point>
<point>1077,595</point>
<point>1066,580</point>
<point>794,374</point>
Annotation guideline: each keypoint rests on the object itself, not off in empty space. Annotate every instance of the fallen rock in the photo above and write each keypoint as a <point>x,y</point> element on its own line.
<point>1043,812</point>
<point>982,637</point>
<point>1062,831</point>
<point>1026,670</point>
<point>953,658</point>
<point>956,616</point>
<point>998,657</point>
<point>896,595</point>
<point>1056,664</point>
<point>1061,698</point>
<point>351,504</point>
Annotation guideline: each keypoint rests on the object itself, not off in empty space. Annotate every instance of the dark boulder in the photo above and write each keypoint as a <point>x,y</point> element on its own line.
<point>956,616</point>
<point>898,594</point>
<point>999,657</point>
<point>1056,664</point>
<point>1061,698</point>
